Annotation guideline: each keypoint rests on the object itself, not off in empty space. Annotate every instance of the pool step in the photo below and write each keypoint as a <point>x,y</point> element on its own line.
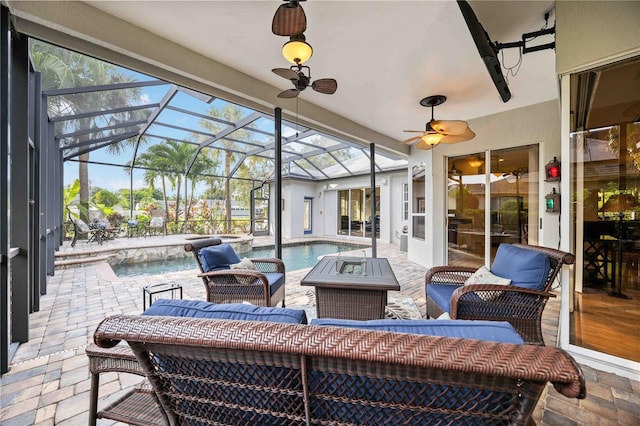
<point>76,260</point>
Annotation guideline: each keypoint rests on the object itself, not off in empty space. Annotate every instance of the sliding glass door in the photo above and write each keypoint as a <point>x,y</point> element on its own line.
<point>354,212</point>
<point>492,199</point>
<point>605,208</point>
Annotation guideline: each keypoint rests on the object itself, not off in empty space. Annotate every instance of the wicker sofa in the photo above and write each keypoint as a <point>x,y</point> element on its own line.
<point>233,371</point>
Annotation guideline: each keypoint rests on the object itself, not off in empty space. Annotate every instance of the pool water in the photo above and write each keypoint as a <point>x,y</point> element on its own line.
<point>294,257</point>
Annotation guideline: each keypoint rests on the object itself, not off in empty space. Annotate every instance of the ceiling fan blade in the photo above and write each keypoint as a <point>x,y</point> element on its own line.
<point>467,135</point>
<point>412,139</point>
<point>287,73</point>
<point>414,131</point>
<point>291,93</point>
<point>325,85</point>
<point>289,20</point>
<point>449,127</point>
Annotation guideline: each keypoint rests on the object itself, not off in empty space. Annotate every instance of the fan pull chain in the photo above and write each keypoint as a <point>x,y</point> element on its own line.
<point>297,98</point>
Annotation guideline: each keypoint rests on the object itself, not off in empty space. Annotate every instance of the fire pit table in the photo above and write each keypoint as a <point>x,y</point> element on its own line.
<point>351,287</point>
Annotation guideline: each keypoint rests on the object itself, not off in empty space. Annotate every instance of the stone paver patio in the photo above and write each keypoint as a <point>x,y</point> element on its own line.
<point>48,382</point>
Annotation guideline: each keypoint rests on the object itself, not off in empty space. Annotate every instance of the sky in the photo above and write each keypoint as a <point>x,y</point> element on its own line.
<point>114,178</point>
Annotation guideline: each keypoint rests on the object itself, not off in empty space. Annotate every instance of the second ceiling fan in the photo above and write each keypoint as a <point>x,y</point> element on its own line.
<point>440,131</point>
<point>290,20</point>
<point>301,81</point>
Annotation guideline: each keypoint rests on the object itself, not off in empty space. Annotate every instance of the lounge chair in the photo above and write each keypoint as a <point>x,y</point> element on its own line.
<point>225,282</point>
<point>157,226</point>
<point>80,228</point>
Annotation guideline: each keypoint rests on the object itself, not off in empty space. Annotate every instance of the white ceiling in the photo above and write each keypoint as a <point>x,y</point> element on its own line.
<point>385,55</point>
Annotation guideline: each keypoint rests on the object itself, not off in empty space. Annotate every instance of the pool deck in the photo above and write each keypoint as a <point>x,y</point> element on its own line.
<point>48,382</point>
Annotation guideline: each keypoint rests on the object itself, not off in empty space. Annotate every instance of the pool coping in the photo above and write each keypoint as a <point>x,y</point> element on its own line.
<point>158,249</point>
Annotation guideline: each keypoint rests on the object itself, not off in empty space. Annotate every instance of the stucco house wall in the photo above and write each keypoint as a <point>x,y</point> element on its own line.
<point>536,124</point>
<point>325,205</point>
<point>590,31</point>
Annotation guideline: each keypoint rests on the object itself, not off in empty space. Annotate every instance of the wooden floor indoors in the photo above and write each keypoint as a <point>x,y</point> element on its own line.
<point>609,324</point>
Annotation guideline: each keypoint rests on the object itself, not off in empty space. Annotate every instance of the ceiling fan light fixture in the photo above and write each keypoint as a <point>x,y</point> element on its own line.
<point>432,139</point>
<point>440,131</point>
<point>297,50</point>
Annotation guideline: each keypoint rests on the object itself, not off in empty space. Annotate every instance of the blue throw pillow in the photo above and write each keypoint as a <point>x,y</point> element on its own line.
<point>234,311</point>
<point>494,331</point>
<point>215,258</point>
<point>524,267</point>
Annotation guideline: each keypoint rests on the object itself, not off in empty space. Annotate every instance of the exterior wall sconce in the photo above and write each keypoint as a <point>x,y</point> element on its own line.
<point>553,202</point>
<point>552,170</point>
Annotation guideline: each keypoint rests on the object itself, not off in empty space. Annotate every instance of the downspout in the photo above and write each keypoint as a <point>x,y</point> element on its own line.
<point>372,151</point>
<point>278,181</point>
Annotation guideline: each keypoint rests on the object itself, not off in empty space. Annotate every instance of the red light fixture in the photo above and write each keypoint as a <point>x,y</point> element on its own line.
<point>552,170</point>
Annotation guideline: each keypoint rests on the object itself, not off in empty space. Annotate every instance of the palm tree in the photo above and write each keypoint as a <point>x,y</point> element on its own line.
<point>174,157</point>
<point>230,113</point>
<point>156,167</point>
<point>203,165</point>
<point>63,68</point>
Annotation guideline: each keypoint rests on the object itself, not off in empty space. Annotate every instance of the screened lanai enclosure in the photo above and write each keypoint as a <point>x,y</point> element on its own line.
<point>142,147</point>
<point>87,139</point>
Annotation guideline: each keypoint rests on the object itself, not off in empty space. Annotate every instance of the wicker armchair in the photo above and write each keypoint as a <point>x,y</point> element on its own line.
<point>263,286</point>
<point>522,307</point>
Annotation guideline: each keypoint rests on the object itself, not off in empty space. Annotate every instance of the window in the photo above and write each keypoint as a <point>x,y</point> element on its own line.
<point>419,208</point>
<point>308,229</point>
<point>405,202</point>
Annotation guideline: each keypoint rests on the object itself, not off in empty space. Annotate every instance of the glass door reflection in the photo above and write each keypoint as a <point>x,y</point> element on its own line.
<point>511,196</point>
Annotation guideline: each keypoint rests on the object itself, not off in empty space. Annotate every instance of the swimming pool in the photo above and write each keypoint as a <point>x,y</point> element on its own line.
<point>295,257</point>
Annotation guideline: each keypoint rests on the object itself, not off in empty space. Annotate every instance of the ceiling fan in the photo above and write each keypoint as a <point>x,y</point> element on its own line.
<point>289,19</point>
<point>301,81</point>
<point>440,131</point>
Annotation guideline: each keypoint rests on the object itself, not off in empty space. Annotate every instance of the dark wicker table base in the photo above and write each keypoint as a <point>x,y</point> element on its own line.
<point>349,303</point>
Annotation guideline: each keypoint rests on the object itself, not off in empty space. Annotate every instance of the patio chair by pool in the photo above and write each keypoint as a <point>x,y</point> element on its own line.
<point>157,226</point>
<point>133,228</point>
<point>109,231</point>
<point>515,289</point>
<point>226,283</point>
<point>80,228</point>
